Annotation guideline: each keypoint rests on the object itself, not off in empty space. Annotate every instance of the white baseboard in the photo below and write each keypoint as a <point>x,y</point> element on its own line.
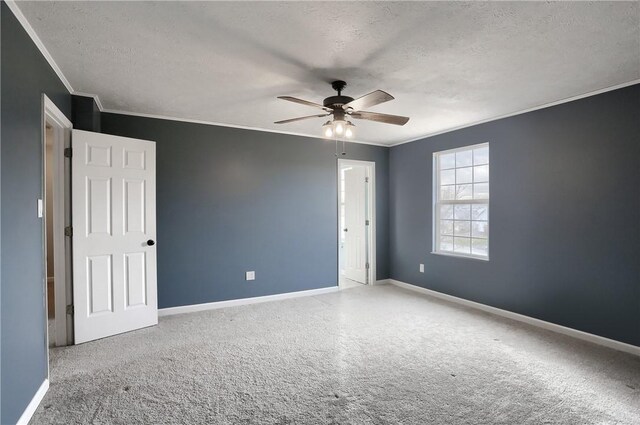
<point>382,282</point>
<point>244,301</point>
<point>34,403</point>
<point>610,343</point>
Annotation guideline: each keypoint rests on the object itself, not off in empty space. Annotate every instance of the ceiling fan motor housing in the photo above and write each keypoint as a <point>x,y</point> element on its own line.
<point>339,100</point>
<point>334,102</point>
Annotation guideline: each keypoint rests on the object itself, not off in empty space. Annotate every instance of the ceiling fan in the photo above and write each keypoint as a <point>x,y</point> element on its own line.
<point>344,107</point>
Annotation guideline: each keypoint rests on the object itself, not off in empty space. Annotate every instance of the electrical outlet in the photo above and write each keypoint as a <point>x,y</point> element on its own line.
<point>421,268</point>
<point>250,276</point>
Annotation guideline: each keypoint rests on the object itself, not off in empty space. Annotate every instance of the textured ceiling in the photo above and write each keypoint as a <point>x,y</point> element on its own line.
<point>448,64</point>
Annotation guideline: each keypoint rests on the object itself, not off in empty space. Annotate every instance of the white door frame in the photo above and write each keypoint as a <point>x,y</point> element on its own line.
<point>61,217</point>
<point>370,167</point>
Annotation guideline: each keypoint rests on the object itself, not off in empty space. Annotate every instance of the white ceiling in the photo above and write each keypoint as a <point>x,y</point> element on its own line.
<point>448,64</point>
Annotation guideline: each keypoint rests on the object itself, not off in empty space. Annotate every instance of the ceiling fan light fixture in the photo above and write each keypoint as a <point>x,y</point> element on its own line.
<point>327,129</point>
<point>349,130</point>
<point>339,127</point>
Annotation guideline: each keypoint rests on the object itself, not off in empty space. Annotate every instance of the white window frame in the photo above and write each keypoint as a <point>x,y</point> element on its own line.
<point>437,202</point>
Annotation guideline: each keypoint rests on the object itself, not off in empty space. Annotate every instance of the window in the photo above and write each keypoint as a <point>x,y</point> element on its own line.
<point>461,202</point>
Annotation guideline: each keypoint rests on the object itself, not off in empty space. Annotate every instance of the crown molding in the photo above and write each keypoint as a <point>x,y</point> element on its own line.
<point>12,4</point>
<point>40,45</point>
<point>524,111</point>
<point>94,96</point>
<point>242,127</point>
<point>426,136</point>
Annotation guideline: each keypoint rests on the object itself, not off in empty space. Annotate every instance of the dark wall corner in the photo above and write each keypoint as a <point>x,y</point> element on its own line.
<point>85,113</point>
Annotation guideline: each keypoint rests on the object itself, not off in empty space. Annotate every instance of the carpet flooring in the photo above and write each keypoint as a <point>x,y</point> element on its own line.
<point>368,355</point>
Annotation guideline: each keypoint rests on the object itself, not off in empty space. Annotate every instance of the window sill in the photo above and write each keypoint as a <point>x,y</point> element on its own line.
<point>454,255</point>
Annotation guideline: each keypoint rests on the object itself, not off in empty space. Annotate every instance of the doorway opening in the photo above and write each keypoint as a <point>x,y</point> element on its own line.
<point>356,223</point>
<point>56,130</point>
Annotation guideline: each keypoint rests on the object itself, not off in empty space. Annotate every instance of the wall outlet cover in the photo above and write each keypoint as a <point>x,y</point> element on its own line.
<point>421,268</point>
<point>250,275</point>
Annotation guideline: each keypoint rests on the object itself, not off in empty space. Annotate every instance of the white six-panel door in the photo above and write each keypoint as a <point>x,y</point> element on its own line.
<point>113,188</point>
<point>355,245</point>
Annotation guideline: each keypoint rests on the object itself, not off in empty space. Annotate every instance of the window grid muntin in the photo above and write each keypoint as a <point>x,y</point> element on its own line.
<point>438,236</point>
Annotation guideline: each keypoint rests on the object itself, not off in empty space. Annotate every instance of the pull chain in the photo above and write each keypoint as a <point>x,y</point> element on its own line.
<point>344,150</point>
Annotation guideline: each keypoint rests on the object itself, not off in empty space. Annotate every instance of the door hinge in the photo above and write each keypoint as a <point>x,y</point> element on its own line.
<point>68,231</point>
<point>366,179</point>
<point>367,266</point>
<point>366,222</point>
<point>70,310</point>
<point>68,152</point>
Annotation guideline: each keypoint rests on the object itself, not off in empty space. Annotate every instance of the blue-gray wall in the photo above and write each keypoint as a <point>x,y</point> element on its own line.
<point>25,76</point>
<point>565,234</point>
<point>232,200</point>
<point>565,230</point>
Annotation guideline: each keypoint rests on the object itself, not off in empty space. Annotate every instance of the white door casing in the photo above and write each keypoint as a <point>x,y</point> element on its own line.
<point>61,216</point>
<point>355,245</point>
<point>114,216</point>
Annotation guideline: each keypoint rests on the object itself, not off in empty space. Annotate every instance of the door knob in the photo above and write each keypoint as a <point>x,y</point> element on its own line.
<point>151,242</point>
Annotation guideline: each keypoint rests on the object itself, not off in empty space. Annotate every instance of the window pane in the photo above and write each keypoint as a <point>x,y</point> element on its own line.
<point>462,225</point>
<point>462,228</point>
<point>464,158</point>
<point>480,247</point>
<point>446,211</point>
<point>481,191</point>
<point>464,191</point>
<point>448,177</point>
<point>480,212</point>
<point>481,155</point>
<point>462,212</point>
<point>446,227</point>
<point>481,173</point>
<point>446,243</point>
<point>447,192</point>
<point>480,229</point>
<point>464,175</point>
<point>447,160</point>
<point>462,245</point>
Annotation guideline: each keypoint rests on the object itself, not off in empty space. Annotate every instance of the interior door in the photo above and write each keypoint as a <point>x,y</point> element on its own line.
<point>113,189</point>
<point>355,243</point>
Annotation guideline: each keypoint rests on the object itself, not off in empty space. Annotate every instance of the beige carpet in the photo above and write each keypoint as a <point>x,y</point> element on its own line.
<point>369,355</point>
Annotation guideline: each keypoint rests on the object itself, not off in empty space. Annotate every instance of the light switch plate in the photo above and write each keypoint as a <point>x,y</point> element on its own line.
<point>40,208</point>
<point>421,268</point>
<point>250,276</point>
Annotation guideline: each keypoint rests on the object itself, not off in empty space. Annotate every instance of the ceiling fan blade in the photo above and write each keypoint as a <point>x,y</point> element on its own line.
<point>301,118</point>
<point>304,102</point>
<point>385,118</point>
<point>374,98</point>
